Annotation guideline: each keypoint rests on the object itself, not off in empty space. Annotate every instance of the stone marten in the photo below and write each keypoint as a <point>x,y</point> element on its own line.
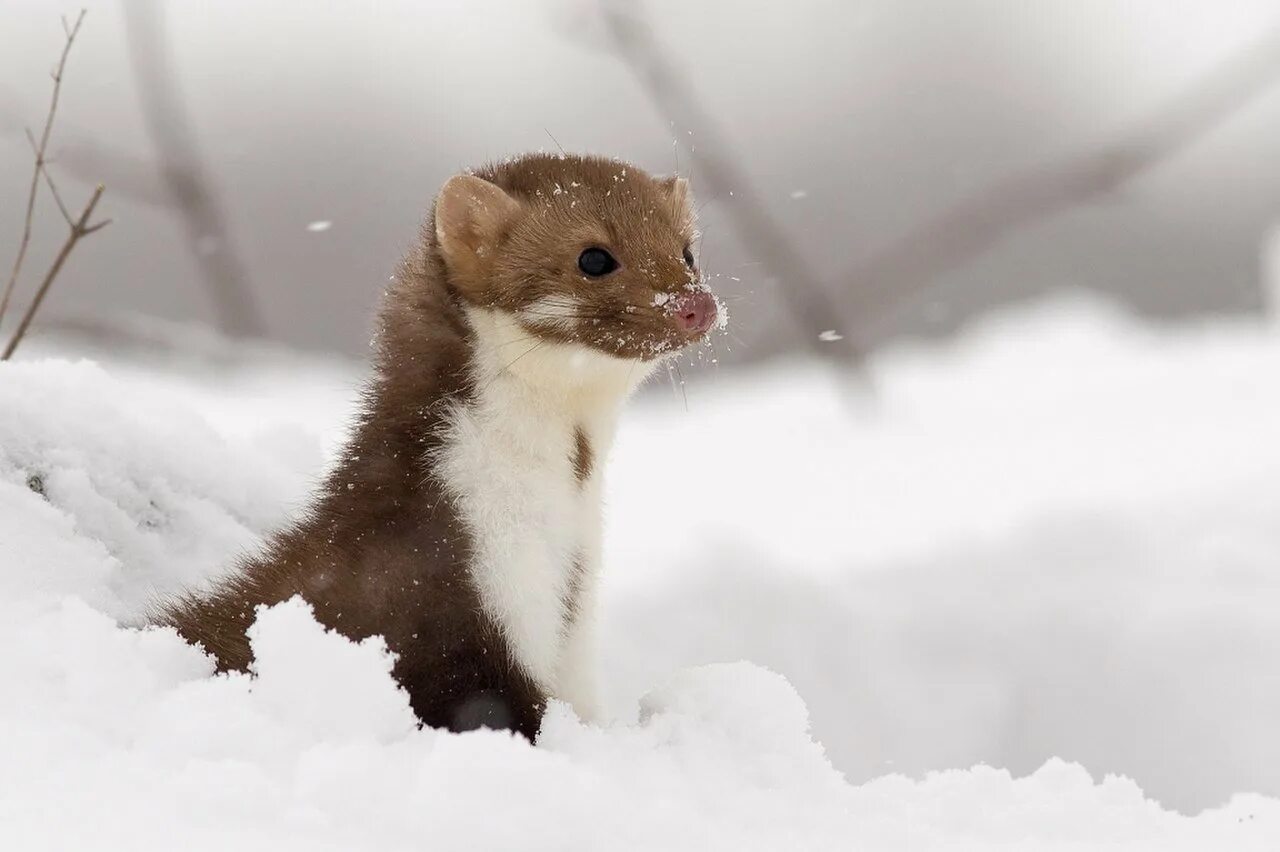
<point>462,520</point>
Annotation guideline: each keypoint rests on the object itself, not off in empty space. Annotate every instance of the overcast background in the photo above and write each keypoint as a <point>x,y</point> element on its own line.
<point>852,123</point>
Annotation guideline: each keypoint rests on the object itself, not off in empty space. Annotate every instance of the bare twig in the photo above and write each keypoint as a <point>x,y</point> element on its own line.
<point>186,182</point>
<point>912,263</point>
<point>718,165</point>
<point>48,179</point>
<point>40,148</point>
<point>80,228</point>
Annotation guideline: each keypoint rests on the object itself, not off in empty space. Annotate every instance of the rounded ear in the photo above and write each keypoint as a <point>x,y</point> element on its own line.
<point>678,190</point>
<point>470,216</point>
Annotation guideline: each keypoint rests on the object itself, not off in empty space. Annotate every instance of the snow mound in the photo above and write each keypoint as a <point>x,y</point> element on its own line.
<point>115,494</point>
<point>113,491</point>
<point>121,738</point>
<point>1053,536</point>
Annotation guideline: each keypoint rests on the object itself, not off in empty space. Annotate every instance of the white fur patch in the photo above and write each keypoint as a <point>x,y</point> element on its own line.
<point>507,462</point>
<point>556,311</point>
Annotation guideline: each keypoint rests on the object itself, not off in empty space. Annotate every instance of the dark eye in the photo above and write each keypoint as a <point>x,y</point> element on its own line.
<point>596,262</point>
<point>688,257</point>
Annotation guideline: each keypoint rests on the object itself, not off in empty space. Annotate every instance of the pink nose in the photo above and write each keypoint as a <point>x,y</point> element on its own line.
<point>694,312</point>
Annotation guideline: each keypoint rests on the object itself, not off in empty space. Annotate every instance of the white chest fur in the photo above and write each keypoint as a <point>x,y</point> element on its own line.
<point>507,461</point>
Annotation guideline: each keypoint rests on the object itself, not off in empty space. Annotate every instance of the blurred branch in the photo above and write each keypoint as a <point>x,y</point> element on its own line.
<point>40,148</point>
<point>90,158</point>
<point>912,263</point>
<point>719,166</point>
<point>79,226</point>
<point>184,177</point>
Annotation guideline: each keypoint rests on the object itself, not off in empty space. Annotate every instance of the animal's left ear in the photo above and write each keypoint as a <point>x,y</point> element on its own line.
<point>677,189</point>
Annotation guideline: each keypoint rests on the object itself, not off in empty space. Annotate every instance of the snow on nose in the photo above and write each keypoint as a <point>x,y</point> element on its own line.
<point>694,312</point>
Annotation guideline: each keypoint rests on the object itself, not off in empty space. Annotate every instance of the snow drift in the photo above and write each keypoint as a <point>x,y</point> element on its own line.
<point>1056,538</point>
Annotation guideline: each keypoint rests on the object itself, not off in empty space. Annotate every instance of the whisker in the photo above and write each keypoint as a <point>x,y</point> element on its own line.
<point>516,340</point>
<point>683,394</point>
<point>671,377</point>
<point>564,316</point>
<point>710,344</point>
<point>557,141</point>
<point>509,365</point>
<point>634,317</point>
<point>512,362</point>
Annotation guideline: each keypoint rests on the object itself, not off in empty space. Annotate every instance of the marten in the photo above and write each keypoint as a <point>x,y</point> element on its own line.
<point>462,519</point>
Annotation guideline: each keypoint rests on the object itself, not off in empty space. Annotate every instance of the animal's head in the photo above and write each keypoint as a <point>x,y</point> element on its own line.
<point>578,250</point>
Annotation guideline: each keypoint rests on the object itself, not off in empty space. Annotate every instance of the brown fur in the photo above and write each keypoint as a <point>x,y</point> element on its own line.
<point>583,458</point>
<point>379,551</point>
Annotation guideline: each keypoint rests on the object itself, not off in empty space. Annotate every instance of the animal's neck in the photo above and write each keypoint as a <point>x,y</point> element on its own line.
<point>560,381</point>
<point>521,461</point>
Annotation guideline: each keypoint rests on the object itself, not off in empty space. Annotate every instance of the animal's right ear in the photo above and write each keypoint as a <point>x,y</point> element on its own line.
<point>677,189</point>
<point>471,214</point>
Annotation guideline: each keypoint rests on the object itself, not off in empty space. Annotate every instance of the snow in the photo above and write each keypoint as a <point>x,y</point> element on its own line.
<point>1054,538</point>
<point>1049,546</point>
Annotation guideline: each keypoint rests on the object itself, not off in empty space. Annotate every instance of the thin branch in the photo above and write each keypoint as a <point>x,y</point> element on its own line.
<point>185,180</point>
<point>48,179</point>
<point>71,32</point>
<point>719,166</point>
<point>53,190</point>
<point>914,262</point>
<point>80,229</point>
